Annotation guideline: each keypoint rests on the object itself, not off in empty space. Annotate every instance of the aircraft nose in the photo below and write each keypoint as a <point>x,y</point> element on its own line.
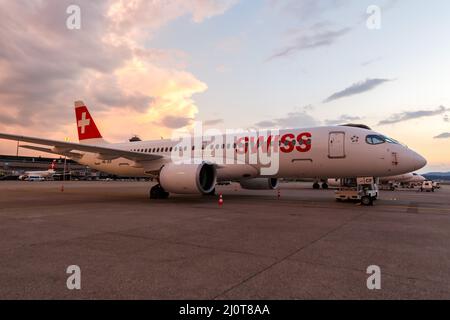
<point>418,161</point>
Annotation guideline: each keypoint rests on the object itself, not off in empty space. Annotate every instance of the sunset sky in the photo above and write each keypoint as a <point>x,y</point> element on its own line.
<point>151,67</point>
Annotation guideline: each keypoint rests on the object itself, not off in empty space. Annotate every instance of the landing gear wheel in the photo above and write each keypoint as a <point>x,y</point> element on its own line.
<point>366,201</point>
<point>316,185</point>
<point>324,186</point>
<point>211,193</point>
<point>157,192</point>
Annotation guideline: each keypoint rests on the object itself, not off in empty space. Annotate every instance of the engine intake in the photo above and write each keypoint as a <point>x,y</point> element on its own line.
<point>260,184</point>
<point>188,178</point>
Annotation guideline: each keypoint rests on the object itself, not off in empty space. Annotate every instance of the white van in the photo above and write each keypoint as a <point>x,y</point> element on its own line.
<point>35,178</point>
<point>427,186</point>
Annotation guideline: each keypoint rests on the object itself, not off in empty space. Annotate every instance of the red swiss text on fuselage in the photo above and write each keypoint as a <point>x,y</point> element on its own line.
<point>286,143</point>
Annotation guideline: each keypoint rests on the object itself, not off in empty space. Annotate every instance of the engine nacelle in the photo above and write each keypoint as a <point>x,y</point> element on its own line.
<point>260,184</point>
<point>188,178</point>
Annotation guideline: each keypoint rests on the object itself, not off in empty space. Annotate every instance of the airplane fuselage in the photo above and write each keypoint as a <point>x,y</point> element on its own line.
<point>337,151</point>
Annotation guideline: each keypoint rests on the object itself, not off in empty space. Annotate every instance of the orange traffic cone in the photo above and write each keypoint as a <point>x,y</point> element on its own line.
<point>220,200</point>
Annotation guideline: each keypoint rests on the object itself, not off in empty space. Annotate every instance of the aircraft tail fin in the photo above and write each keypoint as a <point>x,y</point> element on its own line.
<point>88,132</point>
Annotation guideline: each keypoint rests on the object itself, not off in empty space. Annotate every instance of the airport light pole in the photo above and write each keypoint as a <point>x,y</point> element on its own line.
<point>64,170</point>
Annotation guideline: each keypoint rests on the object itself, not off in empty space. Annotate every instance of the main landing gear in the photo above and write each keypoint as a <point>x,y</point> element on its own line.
<point>316,185</point>
<point>212,193</point>
<point>157,192</point>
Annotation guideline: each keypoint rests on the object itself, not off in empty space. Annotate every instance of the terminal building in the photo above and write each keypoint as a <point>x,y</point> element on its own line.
<point>11,167</point>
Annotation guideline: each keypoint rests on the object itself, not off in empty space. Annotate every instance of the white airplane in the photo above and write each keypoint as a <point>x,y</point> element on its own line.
<point>335,151</point>
<point>40,174</point>
<point>407,179</point>
<point>404,178</point>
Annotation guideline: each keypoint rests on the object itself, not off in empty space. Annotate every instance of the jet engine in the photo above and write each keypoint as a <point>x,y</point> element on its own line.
<point>260,184</point>
<point>188,178</point>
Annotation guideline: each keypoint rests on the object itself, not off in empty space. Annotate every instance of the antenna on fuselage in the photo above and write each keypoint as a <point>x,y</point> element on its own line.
<point>134,138</point>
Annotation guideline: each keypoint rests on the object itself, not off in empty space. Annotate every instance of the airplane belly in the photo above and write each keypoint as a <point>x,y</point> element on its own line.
<point>236,172</point>
<point>120,167</point>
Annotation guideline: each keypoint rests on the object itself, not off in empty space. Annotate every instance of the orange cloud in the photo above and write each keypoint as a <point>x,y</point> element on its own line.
<point>128,87</point>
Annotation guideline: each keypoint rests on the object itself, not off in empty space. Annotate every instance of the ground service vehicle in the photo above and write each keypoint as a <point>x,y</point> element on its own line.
<point>427,186</point>
<point>362,189</point>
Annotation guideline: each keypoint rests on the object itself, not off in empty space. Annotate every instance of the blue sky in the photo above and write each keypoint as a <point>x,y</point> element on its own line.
<point>231,54</point>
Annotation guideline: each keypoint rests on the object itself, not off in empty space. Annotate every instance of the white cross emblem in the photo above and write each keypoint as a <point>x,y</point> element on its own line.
<point>83,123</point>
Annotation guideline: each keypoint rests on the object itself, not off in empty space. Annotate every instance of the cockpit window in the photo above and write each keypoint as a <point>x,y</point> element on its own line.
<point>390,140</point>
<point>375,139</point>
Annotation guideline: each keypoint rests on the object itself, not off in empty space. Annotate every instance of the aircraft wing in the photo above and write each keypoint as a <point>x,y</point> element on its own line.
<point>65,148</point>
<point>73,155</point>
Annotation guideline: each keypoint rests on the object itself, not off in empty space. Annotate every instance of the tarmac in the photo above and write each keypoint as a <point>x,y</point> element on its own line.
<point>303,245</point>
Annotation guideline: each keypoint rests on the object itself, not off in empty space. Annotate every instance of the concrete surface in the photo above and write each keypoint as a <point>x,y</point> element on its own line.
<point>302,246</point>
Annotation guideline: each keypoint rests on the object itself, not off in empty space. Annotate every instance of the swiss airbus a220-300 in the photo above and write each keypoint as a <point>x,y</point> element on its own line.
<point>333,151</point>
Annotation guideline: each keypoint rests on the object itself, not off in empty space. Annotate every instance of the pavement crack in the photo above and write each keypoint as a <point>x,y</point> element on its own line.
<point>253,275</point>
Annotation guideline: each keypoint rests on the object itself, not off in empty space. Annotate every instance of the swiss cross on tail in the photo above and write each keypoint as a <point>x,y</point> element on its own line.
<point>85,124</point>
